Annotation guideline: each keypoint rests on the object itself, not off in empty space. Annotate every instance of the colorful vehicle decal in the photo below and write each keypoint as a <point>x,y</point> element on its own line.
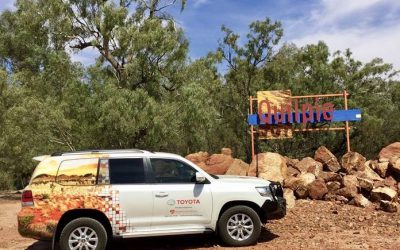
<point>58,187</point>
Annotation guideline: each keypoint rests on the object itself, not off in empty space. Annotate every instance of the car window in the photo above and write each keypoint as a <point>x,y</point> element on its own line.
<point>103,177</point>
<point>126,171</point>
<point>77,172</point>
<point>172,171</point>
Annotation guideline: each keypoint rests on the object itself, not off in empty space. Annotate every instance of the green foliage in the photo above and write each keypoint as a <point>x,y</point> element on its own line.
<point>244,76</point>
<point>144,91</point>
<point>6,181</point>
<point>311,69</point>
<point>142,49</point>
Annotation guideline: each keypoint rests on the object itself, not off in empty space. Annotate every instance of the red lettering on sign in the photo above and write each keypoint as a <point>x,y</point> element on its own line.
<point>285,109</point>
<point>303,115</point>
<point>326,109</point>
<point>317,109</point>
<point>267,117</point>
<point>296,111</point>
<point>307,107</point>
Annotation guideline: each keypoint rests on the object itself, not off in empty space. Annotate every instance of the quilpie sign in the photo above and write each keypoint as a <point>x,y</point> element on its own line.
<point>278,110</point>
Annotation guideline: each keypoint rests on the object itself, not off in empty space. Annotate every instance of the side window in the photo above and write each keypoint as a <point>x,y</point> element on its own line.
<point>103,178</point>
<point>77,172</point>
<point>172,171</point>
<point>126,171</point>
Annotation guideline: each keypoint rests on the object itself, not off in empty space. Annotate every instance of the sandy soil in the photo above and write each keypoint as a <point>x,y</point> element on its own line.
<point>310,225</point>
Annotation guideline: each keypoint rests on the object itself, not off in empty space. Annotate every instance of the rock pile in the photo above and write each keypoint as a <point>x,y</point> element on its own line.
<point>219,164</point>
<point>352,180</point>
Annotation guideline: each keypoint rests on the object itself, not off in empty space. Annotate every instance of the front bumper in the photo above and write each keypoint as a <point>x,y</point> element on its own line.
<point>276,208</point>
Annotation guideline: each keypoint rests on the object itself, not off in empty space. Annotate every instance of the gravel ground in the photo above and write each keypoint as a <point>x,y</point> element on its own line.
<point>310,225</point>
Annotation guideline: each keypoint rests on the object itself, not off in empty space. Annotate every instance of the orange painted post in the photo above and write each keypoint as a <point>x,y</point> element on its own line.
<point>347,123</point>
<point>252,129</point>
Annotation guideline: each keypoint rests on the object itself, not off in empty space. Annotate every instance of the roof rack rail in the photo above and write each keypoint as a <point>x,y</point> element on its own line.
<point>100,151</point>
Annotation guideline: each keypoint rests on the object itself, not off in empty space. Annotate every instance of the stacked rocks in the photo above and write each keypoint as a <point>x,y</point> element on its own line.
<point>219,164</point>
<point>352,180</point>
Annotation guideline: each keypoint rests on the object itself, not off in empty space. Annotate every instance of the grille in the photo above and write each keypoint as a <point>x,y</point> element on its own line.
<point>276,189</point>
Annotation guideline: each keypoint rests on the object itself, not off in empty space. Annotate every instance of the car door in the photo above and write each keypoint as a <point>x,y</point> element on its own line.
<point>179,202</point>
<point>134,195</point>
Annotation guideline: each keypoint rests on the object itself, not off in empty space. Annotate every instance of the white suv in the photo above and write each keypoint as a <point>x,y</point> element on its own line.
<point>83,199</point>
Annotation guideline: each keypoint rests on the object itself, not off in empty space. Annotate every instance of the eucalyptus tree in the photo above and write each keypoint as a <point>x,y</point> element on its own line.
<point>314,69</point>
<point>244,75</point>
<point>137,41</point>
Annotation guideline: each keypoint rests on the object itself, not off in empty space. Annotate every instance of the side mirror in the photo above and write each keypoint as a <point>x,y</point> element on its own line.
<point>200,178</point>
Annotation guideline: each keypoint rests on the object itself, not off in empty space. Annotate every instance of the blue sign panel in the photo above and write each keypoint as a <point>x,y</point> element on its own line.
<point>335,116</point>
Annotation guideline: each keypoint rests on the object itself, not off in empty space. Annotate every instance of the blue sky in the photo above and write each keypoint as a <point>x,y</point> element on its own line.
<point>370,28</point>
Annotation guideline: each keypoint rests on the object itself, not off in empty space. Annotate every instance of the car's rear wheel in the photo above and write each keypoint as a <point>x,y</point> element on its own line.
<point>239,226</point>
<point>83,233</point>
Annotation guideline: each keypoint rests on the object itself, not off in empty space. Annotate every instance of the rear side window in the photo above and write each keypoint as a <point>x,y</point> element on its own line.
<point>79,172</point>
<point>126,171</point>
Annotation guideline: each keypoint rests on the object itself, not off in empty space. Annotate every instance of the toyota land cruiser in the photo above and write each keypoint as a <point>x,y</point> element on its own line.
<point>83,199</point>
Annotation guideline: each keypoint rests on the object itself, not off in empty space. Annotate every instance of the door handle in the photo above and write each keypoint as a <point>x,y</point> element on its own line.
<point>161,194</point>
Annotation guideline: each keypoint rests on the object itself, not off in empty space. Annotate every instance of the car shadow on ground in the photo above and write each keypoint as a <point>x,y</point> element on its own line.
<point>166,242</point>
<point>40,245</point>
<point>180,242</point>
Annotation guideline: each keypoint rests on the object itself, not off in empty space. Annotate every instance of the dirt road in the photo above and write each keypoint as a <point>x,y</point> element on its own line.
<point>310,225</point>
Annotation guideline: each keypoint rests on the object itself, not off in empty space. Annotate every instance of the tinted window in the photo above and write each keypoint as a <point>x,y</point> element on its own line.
<point>126,171</point>
<point>77,172</point>
<point>172,171</point>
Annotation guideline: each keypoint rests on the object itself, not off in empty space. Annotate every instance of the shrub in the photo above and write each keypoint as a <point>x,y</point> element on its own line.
<point>6,181</point>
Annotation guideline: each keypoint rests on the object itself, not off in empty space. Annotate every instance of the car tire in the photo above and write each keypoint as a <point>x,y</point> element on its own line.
<point>239,226</point>
<point>85,231</point>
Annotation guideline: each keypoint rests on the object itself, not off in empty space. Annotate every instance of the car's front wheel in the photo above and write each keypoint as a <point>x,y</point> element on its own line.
<point>83,233</point>
<point>239,226</point>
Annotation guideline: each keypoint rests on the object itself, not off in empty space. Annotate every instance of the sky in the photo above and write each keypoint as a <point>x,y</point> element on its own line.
<point>369,28</point>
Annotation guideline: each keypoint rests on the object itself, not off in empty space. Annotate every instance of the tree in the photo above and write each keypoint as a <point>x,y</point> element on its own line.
<point>244,75</point>
<point>51,104</point>
<point>144,92</point>
<point>138,42</point>
<point>313,69</point>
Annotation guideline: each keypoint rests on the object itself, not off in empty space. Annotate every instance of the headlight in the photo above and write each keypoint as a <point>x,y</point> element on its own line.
<point>263,191</point>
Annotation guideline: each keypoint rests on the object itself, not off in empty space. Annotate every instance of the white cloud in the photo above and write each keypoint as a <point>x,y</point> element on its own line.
<point>197,3</point>
<point>333,10</point>
<point>365,45</point>
<point>369,28</point>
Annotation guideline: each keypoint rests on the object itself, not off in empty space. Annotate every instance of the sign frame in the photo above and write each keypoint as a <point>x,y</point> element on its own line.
<point>345,128</point>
